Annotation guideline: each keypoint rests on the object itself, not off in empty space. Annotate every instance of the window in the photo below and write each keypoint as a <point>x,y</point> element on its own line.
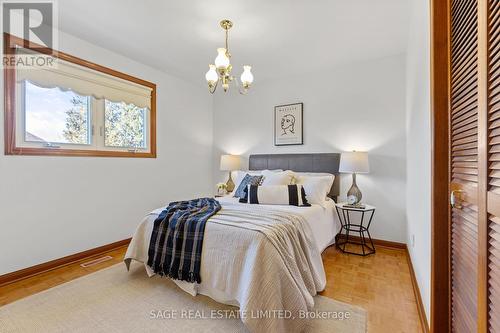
<point>77,108</point>
<point>55,116</point>
<point>124,125</point>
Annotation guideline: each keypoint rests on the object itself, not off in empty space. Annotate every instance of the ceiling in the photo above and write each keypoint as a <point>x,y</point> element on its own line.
<point>278,38</point>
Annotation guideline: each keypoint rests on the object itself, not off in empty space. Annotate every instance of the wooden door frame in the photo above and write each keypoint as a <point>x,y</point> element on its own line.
<point>440,316</point>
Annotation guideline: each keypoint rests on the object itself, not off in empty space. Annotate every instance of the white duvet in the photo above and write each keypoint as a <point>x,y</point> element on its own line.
<point>323,221</point>
<point>244,267</point>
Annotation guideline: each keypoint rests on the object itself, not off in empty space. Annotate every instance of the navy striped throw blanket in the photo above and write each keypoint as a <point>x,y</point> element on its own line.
<point>177,238</point>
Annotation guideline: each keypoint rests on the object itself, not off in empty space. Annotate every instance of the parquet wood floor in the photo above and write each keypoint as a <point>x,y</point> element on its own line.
<point>380,283</point>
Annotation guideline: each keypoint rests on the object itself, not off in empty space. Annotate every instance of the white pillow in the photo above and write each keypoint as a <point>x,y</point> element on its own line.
<point>238,175</point>
<point>272,178</point>
<point>314,174</point>
<point>316,187</point>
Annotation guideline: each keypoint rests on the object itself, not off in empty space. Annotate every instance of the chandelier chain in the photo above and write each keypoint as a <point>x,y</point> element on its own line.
<point>227,47</point>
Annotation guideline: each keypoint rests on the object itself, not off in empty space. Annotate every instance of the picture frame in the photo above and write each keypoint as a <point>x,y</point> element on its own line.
<point>288,124</point>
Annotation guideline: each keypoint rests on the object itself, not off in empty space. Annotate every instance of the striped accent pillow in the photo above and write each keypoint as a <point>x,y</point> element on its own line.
<point>247,180</point>
<point>293,195</point>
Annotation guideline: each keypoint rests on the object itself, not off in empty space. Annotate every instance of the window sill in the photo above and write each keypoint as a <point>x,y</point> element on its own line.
<point>75,152</point>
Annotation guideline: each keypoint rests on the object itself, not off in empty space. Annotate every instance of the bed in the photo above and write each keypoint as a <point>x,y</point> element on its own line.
<point>241,259</point>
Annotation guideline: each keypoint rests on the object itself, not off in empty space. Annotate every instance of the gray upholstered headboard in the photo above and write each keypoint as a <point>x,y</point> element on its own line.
<point>320,162</point>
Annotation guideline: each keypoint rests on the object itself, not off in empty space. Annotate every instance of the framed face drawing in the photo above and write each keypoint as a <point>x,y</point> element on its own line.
<point>288,124</point>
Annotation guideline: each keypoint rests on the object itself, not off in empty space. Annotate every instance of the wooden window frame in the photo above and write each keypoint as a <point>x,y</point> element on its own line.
<point>10,43</point>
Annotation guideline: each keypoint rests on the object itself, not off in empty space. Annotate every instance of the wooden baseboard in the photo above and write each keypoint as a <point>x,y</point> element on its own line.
<point>380,242</point>
<point>386,243</point>
<point>418,297</point>
<point>53,264</point>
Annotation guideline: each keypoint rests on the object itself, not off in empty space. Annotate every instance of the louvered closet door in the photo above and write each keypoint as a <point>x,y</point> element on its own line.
<point>464,164</point>
<point>493,166</point>
<point>474,61</point>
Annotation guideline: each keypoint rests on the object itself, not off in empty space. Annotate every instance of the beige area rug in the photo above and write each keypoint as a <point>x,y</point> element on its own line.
<point>114,300</point>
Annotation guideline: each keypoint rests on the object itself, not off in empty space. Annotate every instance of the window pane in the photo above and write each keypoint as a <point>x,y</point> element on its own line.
<point>56,116</point>
<point>124,125</point>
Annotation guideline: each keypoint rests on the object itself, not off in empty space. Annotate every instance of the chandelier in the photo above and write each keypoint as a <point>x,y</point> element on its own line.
<point>221,71</point>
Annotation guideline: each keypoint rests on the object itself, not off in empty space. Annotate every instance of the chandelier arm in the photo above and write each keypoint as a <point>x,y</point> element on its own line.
<point>214,88</point>
<point>243,91</point>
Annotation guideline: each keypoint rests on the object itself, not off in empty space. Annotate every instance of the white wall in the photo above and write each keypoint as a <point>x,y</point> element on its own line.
<point>419,147</point>
<point>357,106</point>
<point>51,207</point>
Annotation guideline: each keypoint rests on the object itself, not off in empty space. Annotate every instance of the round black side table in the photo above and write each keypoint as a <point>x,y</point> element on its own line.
<point>344,213</point>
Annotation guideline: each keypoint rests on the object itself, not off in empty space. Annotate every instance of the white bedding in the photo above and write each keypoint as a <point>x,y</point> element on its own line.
<point>324,222</point>
<point>232,265</point>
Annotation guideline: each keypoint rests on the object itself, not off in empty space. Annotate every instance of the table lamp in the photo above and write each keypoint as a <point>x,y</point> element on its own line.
<point>354,162</point>
<point>230,163</point>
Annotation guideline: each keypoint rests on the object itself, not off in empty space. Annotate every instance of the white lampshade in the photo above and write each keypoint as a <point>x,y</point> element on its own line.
<point>247,76</point>
<point>211,75</point>
<point>222,61</point>
<point>230,162</point>
<point>354,162</point>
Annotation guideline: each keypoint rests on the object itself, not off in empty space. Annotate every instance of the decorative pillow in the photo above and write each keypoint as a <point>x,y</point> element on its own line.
<point>293,195</point>
<point>247,180</point>
<point>316,187</point>
<point>277,178</point>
